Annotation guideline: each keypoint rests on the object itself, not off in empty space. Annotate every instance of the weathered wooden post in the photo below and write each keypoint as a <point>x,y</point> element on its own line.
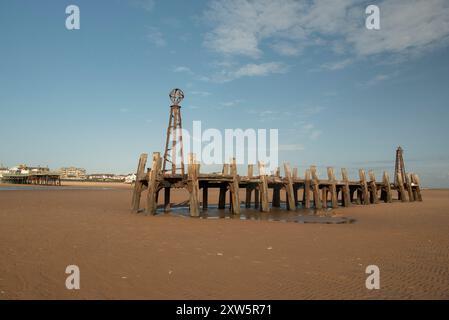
<point>249,188</point>
<point>193,171</point>
<point>408,183</point>
<point>234,188</point>
<point>289,187</point>
<point>167,199</point>
<point>346,191</point>
<point>417,188</point>
<point>315,188</point>
<point>205,195</point>
<point>333,187</point>
<point>373,187</point>
<point>386,188</point>
<point>306,194</point>
<point>263,188</point>
<point>222,197</point>
<point>400,186</point>
<point>364,186</point>
<point>138,186</point>
<point>276,202</point>
<point>153,184</point>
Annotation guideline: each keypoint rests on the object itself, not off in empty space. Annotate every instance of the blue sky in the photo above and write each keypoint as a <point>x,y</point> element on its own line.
<point>340,95</point>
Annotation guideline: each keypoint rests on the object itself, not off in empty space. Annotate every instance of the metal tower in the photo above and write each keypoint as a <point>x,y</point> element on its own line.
<point>174,135</point>
<point>399,166</point>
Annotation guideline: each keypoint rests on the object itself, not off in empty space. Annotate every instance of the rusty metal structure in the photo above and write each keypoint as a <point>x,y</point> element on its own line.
<point>173,144</point>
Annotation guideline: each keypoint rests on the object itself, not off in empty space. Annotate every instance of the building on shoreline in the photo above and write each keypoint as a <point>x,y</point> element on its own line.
<point>106,177</point>
<point>72,173</point>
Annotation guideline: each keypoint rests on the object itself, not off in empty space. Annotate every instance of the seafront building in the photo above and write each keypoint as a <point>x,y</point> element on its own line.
<point>73,173</point>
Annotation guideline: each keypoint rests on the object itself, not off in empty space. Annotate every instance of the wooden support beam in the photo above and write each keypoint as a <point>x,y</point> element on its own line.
<point>346,191</point>
<point>315,188</point>
<point>408,184</point>
<point>324,197</point>
<point>373,187</point>
<point>137,192</point>
<point>332,187</point>
<point>289,187</point>
<point>364,186</point>
<point>386,189</point>
<point>401,189</point>
<point>417,188</point>
<point>263,188</point>
<point>193,172</point>
<point>306,194</point>
<point>234,187</point>
<point>205,196</point>
<point>249,190</point>
<point>167,199</point>
<point>295,173</point>
<point>222,197</point>
<point>256,198</point>
<point>152,183</point>
<point>276,201</point>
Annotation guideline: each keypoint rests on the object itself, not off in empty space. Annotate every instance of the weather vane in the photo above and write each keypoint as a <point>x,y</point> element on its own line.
<point>176,96</point>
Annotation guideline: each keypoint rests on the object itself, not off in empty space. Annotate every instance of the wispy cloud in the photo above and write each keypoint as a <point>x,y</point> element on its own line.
<point>337,65</point>
<point>156,37</point>
<point>248,70</point>
<point>182,69</point>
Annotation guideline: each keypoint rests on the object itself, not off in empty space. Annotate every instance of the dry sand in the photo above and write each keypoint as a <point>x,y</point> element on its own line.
<point>124,256</point>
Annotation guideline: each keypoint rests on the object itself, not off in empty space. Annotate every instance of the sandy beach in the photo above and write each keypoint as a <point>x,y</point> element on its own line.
<point>122,255</point>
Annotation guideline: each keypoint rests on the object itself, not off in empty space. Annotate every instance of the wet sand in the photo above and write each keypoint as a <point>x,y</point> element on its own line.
<point>125,256</point>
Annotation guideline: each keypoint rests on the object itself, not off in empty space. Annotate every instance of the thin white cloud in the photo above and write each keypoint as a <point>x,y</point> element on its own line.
<point>182,69</point>
<point>248,70</point>
<point>337,65</point>
<point>155,36</point>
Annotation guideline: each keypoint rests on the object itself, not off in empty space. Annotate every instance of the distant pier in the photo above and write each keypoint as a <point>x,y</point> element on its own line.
<point>46,178</point>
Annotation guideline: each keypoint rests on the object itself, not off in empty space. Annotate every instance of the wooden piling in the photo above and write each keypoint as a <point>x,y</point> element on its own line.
<point>222,197</point>
<point>205,196</point>
<point>263,186</point>
<point>306,194</point>
<point>167,199</point>
<point>289,187</point>
<point>373,187</point>
<point>364,195</point>
<point>408,184</point>
<point>386,189</point>
<point>417,188</point>
<point>332,187</point>
<point>152,183</point>
<point>315,188</point>
<point>401,189</point>
<point>193,172</point>
<point>138,186</point>
<point>346,191</point>
<point>234,188</point>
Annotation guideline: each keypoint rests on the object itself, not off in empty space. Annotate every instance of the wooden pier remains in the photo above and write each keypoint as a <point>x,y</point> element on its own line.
<point>166,173</point>
<point>317,193</point>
